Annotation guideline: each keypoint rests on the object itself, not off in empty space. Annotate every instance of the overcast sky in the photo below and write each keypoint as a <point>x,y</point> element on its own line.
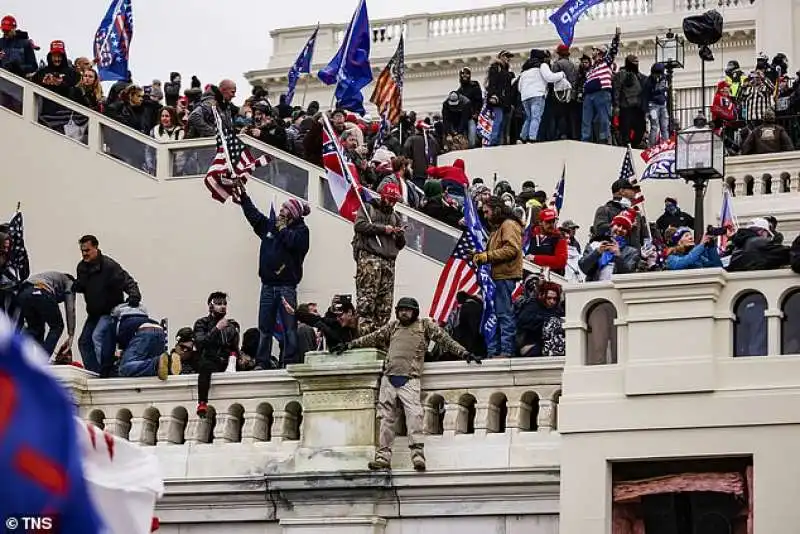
<point>211,38</point>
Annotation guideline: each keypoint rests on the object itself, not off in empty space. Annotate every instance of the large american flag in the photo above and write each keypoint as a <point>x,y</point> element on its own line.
<point>232,162</point>
<point>388,93</point>
<point>18,259</point>
<point>627,172</point>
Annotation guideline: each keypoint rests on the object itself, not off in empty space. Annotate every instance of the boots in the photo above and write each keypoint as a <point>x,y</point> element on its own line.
<point>379,464</point>
<point>419,462</point>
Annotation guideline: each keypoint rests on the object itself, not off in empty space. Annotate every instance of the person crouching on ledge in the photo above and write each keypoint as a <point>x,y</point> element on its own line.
<point>143,343</point>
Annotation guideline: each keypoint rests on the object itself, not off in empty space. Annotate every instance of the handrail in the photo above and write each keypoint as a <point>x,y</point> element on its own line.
<point>162,150</point>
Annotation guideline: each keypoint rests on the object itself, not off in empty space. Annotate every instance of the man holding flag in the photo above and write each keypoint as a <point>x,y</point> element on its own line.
<point>350,69</point>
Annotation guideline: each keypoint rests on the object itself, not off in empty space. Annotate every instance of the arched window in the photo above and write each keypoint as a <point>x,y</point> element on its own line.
<point>790,324</point>
<point>750,327</point>
<point>601,334</point>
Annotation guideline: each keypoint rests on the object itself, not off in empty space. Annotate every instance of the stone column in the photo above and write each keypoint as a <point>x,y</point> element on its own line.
<point>339,418</point>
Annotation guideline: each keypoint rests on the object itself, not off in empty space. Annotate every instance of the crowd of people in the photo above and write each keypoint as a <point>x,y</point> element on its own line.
<point>552,98</point>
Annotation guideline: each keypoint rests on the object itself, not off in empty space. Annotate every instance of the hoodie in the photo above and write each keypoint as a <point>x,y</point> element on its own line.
<point>20,58</point>
<point>66,78</point>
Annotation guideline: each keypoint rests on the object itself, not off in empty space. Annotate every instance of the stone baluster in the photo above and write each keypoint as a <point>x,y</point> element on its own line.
<point>137,430</point>
<point>222,428</point>
<point>254,428</point>
<point>513,422</point>
<point>774,317</point>
<point>117,427</point>
<point>739,186</point>
<point>794,183</point>
<point>758,185</point>
<point>776,184</point>
<point>544,420</point>
<point>452,410</point>
<point>482,410</point>
<point>278,431</point>
<point>192,432</point>
<point>165,423</point>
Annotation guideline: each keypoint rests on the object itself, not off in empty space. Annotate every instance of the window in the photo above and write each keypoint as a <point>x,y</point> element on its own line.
<point>601,334</point>
<point>750,326</point>
<point>790,324</point>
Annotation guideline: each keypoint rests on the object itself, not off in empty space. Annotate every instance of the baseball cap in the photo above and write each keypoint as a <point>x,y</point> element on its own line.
<point>505,53</point>
<point>569,224</point>
<point>548,214</point>
<point>57,47</point>
<point>622,183</point>
<point>8,24</point>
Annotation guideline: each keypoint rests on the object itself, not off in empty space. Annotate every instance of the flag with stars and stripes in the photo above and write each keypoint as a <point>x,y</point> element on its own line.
<point>112,42</point>
<point>18,259</point>
<point>232,162</point>
<point>461,274</point>
<point>558,195</point>
<point>628,172</point>
<point>388,93</point>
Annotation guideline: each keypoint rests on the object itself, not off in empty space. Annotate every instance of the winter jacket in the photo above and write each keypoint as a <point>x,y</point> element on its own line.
<point>421,159</point>
<point>172,90</point>
<point>569,69</point>
<point>59,285</point>
<point>456,118</point>
<point>274,135</point>
<point>655,91</point>
<point>215,346</point>
<point>164,135</point>
<point>794,255</point>
<point>751,252</point>
<point>86,97</point>
<point>723,110</point>
<point>467,331</point>
<point>282,251</point>
<point>329,325</point>
<point>629,86</point>
<point>548,250</point>
<point>606,213</point>
<point>450,175</point>
<point>498,85</point>
<point>767,139</point>
<point>472,91</point>
<point>441,211</point>
<point>627,262</point>
<point>702,256</point>
<point>20,58</point>
<point>531,319</point>
<point>128,324</point>
<point>366,232</point>
<point>67,79</point>
<point>201,119</point>
<point>533,81</point>
<point>504,251</point>
<point>675,220</point>
<point>103,283</point>
<point>140,118</point>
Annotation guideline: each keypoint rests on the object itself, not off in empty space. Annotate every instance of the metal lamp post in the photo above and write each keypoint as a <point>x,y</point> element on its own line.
<point>670,51</point>
<point>699,157</point>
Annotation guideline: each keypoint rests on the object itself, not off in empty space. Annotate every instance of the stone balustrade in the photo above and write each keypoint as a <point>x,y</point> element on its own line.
<point>763,174</point>
<point>328,403</point>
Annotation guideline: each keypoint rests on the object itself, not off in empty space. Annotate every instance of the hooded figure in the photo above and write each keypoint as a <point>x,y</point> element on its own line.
<point>629,104</point>
<point>18,55</point>
<point>172,89</point>
<point>57,76</point>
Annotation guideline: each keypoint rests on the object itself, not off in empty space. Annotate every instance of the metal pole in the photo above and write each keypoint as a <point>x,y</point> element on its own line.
<point>670,100</point>
<point>699,184</point>
<point>703,84</point>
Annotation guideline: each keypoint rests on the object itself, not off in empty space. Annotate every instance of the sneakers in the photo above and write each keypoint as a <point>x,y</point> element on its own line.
<point>379,463</point>
<point>202,409</point>
<point>163,366</point>
<point>174,364</point>
<point>419,463</point>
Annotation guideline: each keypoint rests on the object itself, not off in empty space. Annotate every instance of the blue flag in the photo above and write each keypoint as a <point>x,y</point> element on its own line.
<point>350,69</point>
<point>567,17</point>
<point>112,42</point>
<point>484,272</point>
<point>302,65</point>
<point>40,455</point>
<point>558,195</point>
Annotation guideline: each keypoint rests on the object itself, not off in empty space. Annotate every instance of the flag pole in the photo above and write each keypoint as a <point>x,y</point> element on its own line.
<point>305,89</point>
<point>19,205</point>
<point>346,170</point>
<point>224,144</point>
<point>641,205</point>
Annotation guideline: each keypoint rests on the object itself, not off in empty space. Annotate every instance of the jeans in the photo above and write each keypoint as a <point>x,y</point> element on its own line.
<point>472,133</point>
<point>498,126</point>
<point>96,344</point>
<point>271,310</point>
<point>40,310</point>
<point>534,108</point>
<point>140,357</point>
<point>504,341</point>
<point>596,107</point>
<point>658,116</point>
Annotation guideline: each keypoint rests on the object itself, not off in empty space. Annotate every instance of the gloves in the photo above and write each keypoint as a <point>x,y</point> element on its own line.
<point>340,348</point>
<point>473,358</point>
<point>134,302</point>
<point>480,258</point>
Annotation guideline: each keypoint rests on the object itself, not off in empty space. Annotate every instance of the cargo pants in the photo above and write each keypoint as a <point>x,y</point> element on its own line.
<point>374,291</point>
<point>409,395</point>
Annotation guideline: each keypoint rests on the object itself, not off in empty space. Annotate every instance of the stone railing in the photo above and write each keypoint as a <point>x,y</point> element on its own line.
<point>764,174</point>
<point>684,331</point>
<point>328,402</point>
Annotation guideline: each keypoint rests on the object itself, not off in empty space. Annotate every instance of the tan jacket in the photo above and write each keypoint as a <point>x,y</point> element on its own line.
<point>504,251</point>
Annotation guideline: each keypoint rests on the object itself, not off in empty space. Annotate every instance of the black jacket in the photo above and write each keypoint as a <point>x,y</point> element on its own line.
<point>215,346</point>
<point>752,252</point>
<point>498,85</point>
<point>531,318</point>
<point>606,213</point>
<point>794,255</point>
<point>467,331</point>
<point>103,284</point>
<point>676,220</point>
<point>472,90</point>
<point>66,79</point>
<point>20,58</point>
<point>334,332</point>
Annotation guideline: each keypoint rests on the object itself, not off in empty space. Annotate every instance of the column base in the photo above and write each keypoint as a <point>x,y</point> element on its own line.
<point>334,525</point>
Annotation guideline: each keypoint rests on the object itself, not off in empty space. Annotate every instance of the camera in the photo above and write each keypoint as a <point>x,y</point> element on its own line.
<point>716,231</point>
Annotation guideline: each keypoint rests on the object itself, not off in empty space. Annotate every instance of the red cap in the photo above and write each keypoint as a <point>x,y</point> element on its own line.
<point>562,49</point>
<point>625,219</point>
<point>391,192</point>
<point>57,47</point>
<point>8,24</point>
<point>422,125</point>
<point>548,214</point>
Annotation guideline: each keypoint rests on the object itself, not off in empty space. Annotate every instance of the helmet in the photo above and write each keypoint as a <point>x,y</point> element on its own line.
<point>391,192</point>
<point>502,187</point>
<point>407,303</point>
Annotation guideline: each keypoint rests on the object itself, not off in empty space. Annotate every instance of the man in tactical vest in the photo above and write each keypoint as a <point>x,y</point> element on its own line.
<point>407,337</point>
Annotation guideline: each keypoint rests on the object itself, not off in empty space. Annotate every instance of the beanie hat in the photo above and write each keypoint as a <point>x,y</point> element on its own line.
<point>562,49</point>
<point>432,189</point>
<point>296,208</point>
<point>678,234</point>
<point>625,219</point>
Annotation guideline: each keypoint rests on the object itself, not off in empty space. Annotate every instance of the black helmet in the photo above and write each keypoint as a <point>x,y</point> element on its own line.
<point>407,303</point>
<point>185,334</point>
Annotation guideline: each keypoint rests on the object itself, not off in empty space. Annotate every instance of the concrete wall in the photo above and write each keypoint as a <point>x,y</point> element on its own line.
<point>171,236</point>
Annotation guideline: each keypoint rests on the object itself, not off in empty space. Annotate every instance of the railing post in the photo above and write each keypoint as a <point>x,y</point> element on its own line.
<point>516,17</point>
<point>163,163</point>
<point>28,104</point>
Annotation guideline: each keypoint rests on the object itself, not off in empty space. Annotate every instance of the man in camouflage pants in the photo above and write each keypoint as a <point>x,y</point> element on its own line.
<point>407,338</point>
<point>379,238</point>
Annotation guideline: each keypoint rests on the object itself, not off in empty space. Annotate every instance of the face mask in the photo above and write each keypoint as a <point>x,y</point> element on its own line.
<point>625,203</point>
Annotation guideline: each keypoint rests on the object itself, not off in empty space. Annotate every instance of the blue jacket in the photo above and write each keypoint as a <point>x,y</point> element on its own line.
<point>283,251</point>
<point>20,58</point>
<point>700,257</point>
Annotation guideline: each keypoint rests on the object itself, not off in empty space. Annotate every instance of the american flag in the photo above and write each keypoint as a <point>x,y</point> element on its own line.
<point>486,124</point>
<point>727,218</point>
<point>388,93</point>
<point>558,195</point>
<point>461,274</point>
<point>18,259</point>
<point>222,175</point>
<point>627,172</point>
